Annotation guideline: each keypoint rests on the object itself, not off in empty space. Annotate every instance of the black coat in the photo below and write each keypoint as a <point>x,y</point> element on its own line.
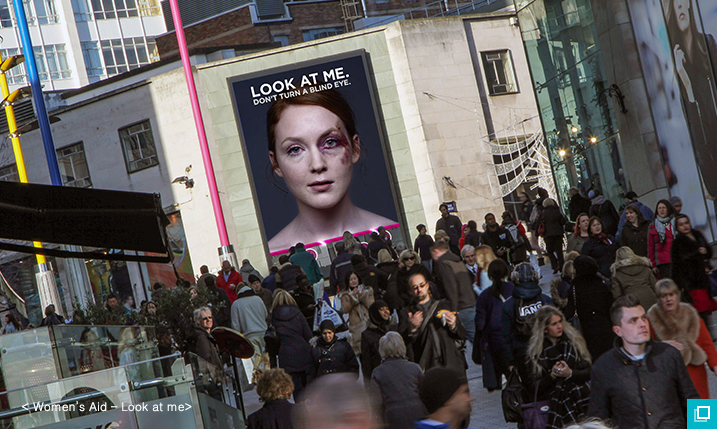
<point>420,345</point>
<point>335,357</point>
<point>391,295</point>
<point>370,357</point>
<point>373,277</point>
<point>499,238</point>
<point>650,394</point>
<point>607,213</point>
<point>688,264</point>
<point>294,335</point>
<point>220,299</point>
<point>274,414</point>
<point>604,254</point>
<point>422,246</point>
<point>473,238</point>
<point>635,237</point>
<point>594,299</point>
<point>554,222</point>
<point>578,204</point>
<point>204,345</point>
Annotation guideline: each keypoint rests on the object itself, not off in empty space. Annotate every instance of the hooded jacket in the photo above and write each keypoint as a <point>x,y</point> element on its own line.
<point>634,276</point>
<point>334,357</point>
<point>526,292</point>
<point>650,393</point>
<point>294,335</point>
<point>377,328</point>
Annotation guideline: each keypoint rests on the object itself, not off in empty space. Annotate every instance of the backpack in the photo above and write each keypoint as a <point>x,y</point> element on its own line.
<point>515,233</point>
<point>535,214</point>
<point>523,312</point>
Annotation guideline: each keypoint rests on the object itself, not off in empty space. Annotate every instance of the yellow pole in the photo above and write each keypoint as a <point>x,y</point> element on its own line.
<point>16,148</point>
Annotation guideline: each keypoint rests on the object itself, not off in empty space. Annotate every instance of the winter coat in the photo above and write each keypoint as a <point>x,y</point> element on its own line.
<point>249,313</point>
<point>646,213</point>
<point>650,393</point>
<point>634,276</point>
<point>605,210</point>
<point>294,335</point>
<point>308,263</point>
<point>334,357</point>
<point>247,269</point>
<point>452,225</point>
<point>394,393</point>
<point>307,305</point>
<point>604,254</point>
<point>204,345</point>
<point>234,279</point>
<point>559,288</point>
<point>222,316</point>
<point>201,282</point>
<point>659,252</point>
<point>370,357</point>
<point>372,277</point>
<point>688,264</point>
<point>635,237</point>
<point>391,296</point>
<point>473,238</point>
<point>286,277</point>
<point>337,273</point>
<point>578,204</point>
<point>575,243</point>
<point>275,414</point>
<point>455,281</point>
<point>489,347</point>
<point>497,239</point>
<point>554,222</point>
<point>404,292</point>
<point>433,344</point>
<point>269,282</point>
<point>594,300</point>
<point>356,307</point>
<point>422,246</point>
<point>514,341</point>
<point>686,327</point>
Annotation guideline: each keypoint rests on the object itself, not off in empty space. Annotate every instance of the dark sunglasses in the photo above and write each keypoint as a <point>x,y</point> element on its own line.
<point>207,318</point>
<point>410,258</point>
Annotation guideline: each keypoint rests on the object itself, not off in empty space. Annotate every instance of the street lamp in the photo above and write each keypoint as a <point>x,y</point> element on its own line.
<point>593,140</point>
<point>562,153</point>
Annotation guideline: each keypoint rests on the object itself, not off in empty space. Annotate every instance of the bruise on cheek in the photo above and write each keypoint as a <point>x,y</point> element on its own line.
<point>343,144</point>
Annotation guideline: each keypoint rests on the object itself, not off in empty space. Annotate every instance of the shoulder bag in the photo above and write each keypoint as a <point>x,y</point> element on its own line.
<point>575,319</point>
<point>535,414</point>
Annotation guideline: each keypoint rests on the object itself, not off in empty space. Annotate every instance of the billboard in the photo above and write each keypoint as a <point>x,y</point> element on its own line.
<point>677,57</point>
<point>325,170</point>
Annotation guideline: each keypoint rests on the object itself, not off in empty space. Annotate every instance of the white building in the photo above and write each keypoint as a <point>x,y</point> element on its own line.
<point>443,88</point>
<point>79,42</point>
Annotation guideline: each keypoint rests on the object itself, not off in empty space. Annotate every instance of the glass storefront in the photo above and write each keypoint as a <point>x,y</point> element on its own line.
<point>573,97</point>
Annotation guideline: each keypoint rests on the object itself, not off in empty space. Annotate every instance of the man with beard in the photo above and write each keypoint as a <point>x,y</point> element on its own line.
<point>430,329</point>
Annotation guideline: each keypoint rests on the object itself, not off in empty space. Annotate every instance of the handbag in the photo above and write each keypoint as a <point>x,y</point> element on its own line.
<point>511,398</point>
<point>535,414</point>
<point>575,320</point>
<point>271,340</point>
<point>541,227</point>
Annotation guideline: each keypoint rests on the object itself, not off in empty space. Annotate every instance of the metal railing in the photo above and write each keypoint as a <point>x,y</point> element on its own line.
<point>435,9</point>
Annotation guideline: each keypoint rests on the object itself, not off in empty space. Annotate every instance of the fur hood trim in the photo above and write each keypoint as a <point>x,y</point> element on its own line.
<point>561,303</point>
<point>635,260</point>
<point>683,327</point>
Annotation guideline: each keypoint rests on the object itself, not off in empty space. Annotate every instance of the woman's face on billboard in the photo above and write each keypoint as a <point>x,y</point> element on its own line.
<point>314,155</point>
<point>682,13</point>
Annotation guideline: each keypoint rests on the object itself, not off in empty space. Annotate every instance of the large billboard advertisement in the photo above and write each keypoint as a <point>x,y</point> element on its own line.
<point>675,54</point>
<point>312,141</point>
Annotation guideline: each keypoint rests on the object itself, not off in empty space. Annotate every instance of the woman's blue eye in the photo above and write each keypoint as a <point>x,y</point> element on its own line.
<point>331,143</point>
<point>293,150</point>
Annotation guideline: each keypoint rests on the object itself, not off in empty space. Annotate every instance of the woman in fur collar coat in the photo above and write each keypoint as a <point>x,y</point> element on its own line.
<point>633,274</point>
<point>678,324</point>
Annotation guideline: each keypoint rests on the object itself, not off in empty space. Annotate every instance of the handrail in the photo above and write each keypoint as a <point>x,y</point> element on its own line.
<point>472,5</point>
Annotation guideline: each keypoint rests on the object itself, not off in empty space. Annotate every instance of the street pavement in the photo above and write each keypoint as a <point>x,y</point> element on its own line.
<point>487,412</point>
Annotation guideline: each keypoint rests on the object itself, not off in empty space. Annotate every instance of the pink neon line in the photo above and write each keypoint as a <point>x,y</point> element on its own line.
<point>199,123</point>
<point>331,240</point>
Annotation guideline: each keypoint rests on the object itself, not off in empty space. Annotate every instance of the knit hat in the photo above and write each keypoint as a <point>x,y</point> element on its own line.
<point>675,200</point>
<point>327,324</point>
<point>253,278</point>
<point>585,265</point>
<point>437,387</point>
<point>524,273</point>
<point>631,195</point>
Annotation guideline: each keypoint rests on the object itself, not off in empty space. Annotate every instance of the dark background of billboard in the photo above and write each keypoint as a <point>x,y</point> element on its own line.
<point>370,186</point>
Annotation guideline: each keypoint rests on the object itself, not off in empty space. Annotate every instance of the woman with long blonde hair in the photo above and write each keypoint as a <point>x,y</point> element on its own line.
<point>484,256</point>
<point>561,363</point>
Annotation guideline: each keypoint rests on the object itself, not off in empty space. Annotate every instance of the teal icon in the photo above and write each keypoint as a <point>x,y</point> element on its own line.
<point>700,415</point>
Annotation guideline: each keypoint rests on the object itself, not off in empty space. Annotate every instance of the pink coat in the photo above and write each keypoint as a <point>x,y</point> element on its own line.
<point>659,253</point>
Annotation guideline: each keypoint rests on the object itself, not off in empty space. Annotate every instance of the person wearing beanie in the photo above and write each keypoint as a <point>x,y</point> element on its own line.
<point>379,324</point>
<point>264,294</point>
<point>332,355</point>
<point>445,394</point>
<point>518,311</point>
<point>676,204</point>
<point>590,298</point>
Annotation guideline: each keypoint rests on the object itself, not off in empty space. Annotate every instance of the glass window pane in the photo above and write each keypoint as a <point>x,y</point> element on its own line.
<point>142,54</point>
<point>131,55</point>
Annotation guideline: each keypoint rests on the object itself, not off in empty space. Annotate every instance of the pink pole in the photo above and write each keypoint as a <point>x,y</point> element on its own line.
<point>199,123</point>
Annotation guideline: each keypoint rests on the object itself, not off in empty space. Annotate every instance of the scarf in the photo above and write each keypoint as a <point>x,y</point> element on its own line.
<point>661,225</point>
<point>602,237</point>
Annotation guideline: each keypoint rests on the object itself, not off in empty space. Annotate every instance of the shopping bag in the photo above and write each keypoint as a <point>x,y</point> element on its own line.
<point>325,311</point>
<point>511,399</point>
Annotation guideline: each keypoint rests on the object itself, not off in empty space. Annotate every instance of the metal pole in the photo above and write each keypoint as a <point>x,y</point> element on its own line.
<point>199,123</point>
<point>42,117</point>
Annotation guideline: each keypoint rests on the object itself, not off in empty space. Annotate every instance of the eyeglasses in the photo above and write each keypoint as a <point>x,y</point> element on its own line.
<point>420,285</point>
<point>410,258</point>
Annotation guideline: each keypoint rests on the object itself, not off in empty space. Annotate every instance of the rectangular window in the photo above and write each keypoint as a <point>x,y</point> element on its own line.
<point>109,9</point>
<point>499,72</point>
<point>5,16</point>
<point>284,40</point>
<point>82,10</point>
<point>46,12</point>
<point>9,173</point>
<point>73,166</point>
<point>93,62</point>
<point>16,75</point>
<point>127,54</point>
<point>138,146</point>
<point>320,33</point>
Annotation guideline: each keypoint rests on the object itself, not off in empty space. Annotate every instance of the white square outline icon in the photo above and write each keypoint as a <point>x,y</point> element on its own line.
<point>698,417</point>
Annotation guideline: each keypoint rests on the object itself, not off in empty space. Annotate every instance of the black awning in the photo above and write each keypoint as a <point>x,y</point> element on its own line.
<point>83,217</point>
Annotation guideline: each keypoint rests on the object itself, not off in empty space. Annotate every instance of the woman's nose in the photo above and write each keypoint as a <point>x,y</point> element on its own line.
<point>318,162</point>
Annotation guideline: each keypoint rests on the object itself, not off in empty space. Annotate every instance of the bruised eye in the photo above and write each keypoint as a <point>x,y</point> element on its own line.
<point>331,143</point>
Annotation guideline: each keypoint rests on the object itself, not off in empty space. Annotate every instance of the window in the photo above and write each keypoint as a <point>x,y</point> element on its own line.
<point>73,166</point>
<point>122,55</point>
<point>82,10</point>
<point>16,75</point>
<point>284,40</point>
<point>9,173</point>
<point>5,16</point>
<point>108,9</point>
<point>138,146</point>
<point>46,12</point>
<point>499,72</point>
<point>56,58</point>
<point>93,62</point>
<point>320,33</point>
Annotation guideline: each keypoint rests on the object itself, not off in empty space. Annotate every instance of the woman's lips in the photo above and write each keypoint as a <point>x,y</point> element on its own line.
<point>321,186</point>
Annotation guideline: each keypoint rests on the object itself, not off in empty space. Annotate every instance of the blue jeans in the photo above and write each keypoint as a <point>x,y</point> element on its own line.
<point>468,319</point>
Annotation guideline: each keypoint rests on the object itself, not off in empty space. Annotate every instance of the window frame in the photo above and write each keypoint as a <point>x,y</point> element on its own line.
<point>60,157</point>
<point>15,173</point>
<point>124,147</point>
<point>506,56</point>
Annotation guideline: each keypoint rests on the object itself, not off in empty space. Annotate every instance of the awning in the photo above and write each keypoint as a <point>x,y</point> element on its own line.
<point>83,217</point>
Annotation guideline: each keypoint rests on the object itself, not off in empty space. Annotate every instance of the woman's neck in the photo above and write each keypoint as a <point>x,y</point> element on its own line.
<point>635,223</point>
<point>584,233</point>
<point>330,222</point>
<point>553,339</point>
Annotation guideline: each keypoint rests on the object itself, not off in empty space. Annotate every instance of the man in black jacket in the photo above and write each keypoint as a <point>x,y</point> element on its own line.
<point>640,383</point>
<point>452,225</point>
<point>456,284</point>
<point>498,238</point>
